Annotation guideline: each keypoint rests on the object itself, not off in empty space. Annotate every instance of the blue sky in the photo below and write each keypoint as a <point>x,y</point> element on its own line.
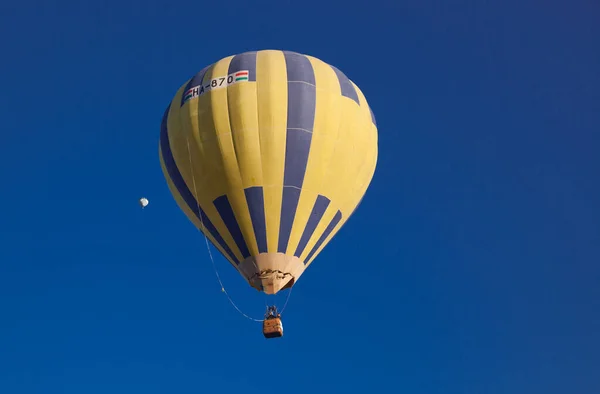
<point>472,265</point>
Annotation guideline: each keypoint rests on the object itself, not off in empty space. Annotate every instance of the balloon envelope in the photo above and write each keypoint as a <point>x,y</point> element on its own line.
<point>269,153</point>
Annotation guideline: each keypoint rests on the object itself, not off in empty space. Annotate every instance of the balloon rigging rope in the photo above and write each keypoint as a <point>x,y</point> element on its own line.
<point>286,300</point>
<point>206,238</point>
<point>212,260</point>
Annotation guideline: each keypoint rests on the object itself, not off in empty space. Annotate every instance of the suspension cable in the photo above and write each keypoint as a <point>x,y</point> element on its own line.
<point>208,244</point>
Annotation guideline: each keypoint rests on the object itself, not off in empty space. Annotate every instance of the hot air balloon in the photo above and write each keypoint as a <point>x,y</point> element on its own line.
<point>269,153</point>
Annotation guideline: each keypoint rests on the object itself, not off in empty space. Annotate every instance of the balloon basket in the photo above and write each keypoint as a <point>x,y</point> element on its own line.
<point>272,327</point>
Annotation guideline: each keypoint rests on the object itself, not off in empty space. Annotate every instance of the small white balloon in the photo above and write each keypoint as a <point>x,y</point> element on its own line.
<point>143,202</point>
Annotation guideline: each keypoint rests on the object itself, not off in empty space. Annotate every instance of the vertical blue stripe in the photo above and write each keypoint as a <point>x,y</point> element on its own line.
<point>346,86</point>
<point>195,81</point>
<point>336,219</point>
<point>289,203</point>
<point>300,121</point>
<point>224,208</point>
<point>244,61</point>
<point>299,68</point>
<point>182,188</point>
<point>256,204</point>
<point>318,210</point>
<point>297,144</point>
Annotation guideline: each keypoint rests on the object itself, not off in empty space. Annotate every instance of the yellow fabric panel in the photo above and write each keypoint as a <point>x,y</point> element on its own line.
<point>367,168</point>
<point>197,121</point>
<point>340,174</point>
<point>243,114</point>
<point>186,122</point>
<point>345,157</point>
<point>358,169</point>
<point>271,90</point>
<point>236,126</point>
<point>328,117</point>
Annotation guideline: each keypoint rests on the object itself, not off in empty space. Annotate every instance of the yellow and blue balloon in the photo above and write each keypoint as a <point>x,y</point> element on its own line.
<point>269,153</point>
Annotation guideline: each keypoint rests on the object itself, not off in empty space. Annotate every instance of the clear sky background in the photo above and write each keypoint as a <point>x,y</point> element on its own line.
<point>472,265</point>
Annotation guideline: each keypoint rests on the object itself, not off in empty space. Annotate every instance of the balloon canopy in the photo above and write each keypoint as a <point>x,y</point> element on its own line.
<point>268,153</point>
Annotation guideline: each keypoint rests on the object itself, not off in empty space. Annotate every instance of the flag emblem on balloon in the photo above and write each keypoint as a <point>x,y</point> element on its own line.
<point>241,76</point>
